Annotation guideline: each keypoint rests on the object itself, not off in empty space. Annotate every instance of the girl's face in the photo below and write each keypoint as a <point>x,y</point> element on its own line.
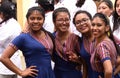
<point>118,7</point>
<point>35,21</point>
<point>62,22</point>
<point>103,8</point>
<point>99,28</point>
<point>83,23</point>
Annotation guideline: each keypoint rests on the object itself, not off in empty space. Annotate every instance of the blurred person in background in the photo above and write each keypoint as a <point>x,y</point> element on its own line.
<point>48,6</point>
<point>9,29</point>
<point>116,19</point>
<point>106,7</point>
<point>116,28</point>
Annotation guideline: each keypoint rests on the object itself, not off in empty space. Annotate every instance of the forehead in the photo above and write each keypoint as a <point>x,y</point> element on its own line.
<point>98,19</point>
<point>35,12</point>
<point>103,4</point>
<point>81,16</point>
<point>62,14</point>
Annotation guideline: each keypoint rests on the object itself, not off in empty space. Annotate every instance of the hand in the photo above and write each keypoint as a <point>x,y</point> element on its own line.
<point>31,71</point>
<point>99,76</point>
<point>72,56</point>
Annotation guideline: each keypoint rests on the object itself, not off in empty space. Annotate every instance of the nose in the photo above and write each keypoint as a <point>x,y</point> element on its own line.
<point>35,21</point>
<point>65,22</point>
<point>94,27</point>
<point>83,22</point>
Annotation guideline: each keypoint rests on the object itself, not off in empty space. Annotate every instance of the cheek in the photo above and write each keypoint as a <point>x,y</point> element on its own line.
<point>56,26</point>
<point>29,21</point>
<point>42,21</point>
<point>79,29</point>
<point>68,24</point>
<point>117,10</point>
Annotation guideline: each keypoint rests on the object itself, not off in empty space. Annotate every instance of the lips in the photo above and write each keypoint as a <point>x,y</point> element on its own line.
<point>95,32</point>
<point>82,27</point>
<point>64,26</point>
<point>118,12</point>
<point>35,26</point>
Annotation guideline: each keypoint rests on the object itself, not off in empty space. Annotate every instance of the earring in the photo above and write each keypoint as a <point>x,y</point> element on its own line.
<point>108,33</point>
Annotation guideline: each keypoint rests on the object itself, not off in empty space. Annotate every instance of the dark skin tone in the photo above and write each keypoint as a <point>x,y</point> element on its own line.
<point>35,22</point>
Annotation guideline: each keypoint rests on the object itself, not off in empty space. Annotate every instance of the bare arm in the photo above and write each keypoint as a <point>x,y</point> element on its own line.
<point>84,68</point>
<point>74,58</point>
<point>107,69</point>
<point>117,69</point>
<point>5,59</point>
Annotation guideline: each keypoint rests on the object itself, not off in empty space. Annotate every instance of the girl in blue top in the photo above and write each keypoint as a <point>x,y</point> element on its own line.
<point>36,45</point>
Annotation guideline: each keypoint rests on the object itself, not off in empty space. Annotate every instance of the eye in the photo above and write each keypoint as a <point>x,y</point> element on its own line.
<point>84,20</point>
<point>104,7</point>
<point>67,19</point>
<point>99,24</point>
<point>32,18</point>
<point>93,24</point>
<point>77,22</point>
<point>117,5</point>
<point>39,18</point>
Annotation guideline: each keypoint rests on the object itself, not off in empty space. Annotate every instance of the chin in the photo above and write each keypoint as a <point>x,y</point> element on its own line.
<point>35,30</point>
<point>96,36</point>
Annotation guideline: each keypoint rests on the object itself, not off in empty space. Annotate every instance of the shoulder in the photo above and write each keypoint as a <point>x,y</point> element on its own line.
<point>20,39</point>
<point>13,21</point>
<point>74,36</point>
<point>23,35</point>
<point>106,44</point>
<point>13,24</point>
<point>51,36</point>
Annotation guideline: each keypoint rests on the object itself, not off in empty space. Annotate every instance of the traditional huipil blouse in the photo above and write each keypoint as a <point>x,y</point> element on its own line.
<point>63,67</point>
<point>102,52</point>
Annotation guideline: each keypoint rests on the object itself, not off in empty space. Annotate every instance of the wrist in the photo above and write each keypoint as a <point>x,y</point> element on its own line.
<point>20,73</point>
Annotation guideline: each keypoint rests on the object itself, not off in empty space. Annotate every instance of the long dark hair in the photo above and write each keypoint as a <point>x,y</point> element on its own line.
<point>106,21</point>
<point>116,18</point>
<point>7,8</point>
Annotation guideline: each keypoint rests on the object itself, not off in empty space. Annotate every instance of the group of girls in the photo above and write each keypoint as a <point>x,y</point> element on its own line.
<point>93,55</point>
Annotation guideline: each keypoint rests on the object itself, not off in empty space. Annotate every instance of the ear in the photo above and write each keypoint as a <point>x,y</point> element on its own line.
<point>107,28</point>
<point>55,27</point>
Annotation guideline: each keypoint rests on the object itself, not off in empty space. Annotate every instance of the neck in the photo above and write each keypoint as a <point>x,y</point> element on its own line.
<point>37,34</point>
<point>88,36</point>
<point>63,35</point>
<point>101,38</point>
